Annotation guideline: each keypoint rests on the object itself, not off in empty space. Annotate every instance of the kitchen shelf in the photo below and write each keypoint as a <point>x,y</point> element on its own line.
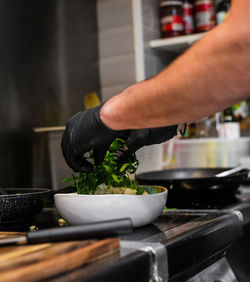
<point>175,44</point>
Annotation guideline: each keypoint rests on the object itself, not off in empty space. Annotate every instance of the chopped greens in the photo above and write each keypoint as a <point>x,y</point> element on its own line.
<point>109,172</point>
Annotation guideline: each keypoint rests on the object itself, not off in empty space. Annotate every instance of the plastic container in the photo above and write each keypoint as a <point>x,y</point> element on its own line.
<point>150,158</point>
<point>210,152</point>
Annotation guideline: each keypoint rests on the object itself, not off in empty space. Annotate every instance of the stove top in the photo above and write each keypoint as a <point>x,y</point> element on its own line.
<point>189,200</point>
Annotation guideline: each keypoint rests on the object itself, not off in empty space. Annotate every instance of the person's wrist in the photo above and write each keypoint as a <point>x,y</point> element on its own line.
<point>109,116</point>
<point>116,133</point>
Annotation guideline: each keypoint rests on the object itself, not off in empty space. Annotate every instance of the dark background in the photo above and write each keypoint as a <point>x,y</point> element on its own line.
<point>48,62</point>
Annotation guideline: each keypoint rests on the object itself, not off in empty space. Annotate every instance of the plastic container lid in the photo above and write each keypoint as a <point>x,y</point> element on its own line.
<point>200,2</point>
<point>171,3</point>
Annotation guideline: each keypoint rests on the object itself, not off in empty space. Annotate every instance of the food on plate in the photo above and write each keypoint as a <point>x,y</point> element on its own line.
<point>109,177</point>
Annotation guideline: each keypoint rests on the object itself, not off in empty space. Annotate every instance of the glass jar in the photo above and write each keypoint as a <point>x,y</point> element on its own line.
<point>204,15</point>
<point>222,9</point>
<point>171,18</point>
<point>188,16</point>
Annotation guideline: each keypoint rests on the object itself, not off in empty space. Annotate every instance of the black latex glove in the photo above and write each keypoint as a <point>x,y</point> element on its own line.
<point>144,137</point>
<point>85,131</point>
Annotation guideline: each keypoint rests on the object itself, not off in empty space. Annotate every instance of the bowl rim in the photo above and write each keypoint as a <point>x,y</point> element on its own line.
<point>28,192</point>
<point>74,194</point>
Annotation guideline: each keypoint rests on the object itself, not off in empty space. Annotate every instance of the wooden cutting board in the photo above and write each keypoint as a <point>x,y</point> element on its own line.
<point>42,261</point>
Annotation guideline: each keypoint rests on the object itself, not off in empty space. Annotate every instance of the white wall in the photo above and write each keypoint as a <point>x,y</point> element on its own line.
<point>116,46</point>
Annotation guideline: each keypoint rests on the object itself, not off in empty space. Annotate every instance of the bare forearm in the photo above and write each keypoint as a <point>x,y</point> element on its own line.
<point>211,76</point>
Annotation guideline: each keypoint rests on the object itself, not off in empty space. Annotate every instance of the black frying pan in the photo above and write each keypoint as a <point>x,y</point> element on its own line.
<point>197,180</point>
<point>21,204</point>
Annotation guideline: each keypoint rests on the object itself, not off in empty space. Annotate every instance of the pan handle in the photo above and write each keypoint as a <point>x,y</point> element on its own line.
<point>232,171</point>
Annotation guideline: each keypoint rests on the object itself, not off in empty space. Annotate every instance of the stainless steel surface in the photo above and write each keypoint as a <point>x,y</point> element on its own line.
<point>158,256</point>
<point>219,271</point>
<point>53,161</point>
<point>49,61</point>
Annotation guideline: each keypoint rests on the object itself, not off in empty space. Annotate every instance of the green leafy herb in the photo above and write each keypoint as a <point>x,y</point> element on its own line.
<point>109,172</point>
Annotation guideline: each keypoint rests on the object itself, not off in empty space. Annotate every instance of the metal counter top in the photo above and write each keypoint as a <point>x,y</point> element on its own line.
<point>179,244</point>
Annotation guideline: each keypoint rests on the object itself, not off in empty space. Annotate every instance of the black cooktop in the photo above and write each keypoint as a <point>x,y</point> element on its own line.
<point>214,200</point>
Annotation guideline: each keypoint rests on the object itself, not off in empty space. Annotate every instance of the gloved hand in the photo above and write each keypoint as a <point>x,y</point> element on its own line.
<point>144,137</point>
<point>85,131</point>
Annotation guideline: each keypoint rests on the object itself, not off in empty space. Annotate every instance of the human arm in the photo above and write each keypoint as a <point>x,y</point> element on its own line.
<point>85,132</point>
<point>209,77</point>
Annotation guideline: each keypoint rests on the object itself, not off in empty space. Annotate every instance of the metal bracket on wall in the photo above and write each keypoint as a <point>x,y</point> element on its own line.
<point>158,257</point>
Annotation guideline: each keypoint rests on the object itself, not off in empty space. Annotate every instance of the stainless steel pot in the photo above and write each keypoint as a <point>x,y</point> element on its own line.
<point>49,166</point>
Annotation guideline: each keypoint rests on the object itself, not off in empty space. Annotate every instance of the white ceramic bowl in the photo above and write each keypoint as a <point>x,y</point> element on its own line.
<point>141,209</point>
